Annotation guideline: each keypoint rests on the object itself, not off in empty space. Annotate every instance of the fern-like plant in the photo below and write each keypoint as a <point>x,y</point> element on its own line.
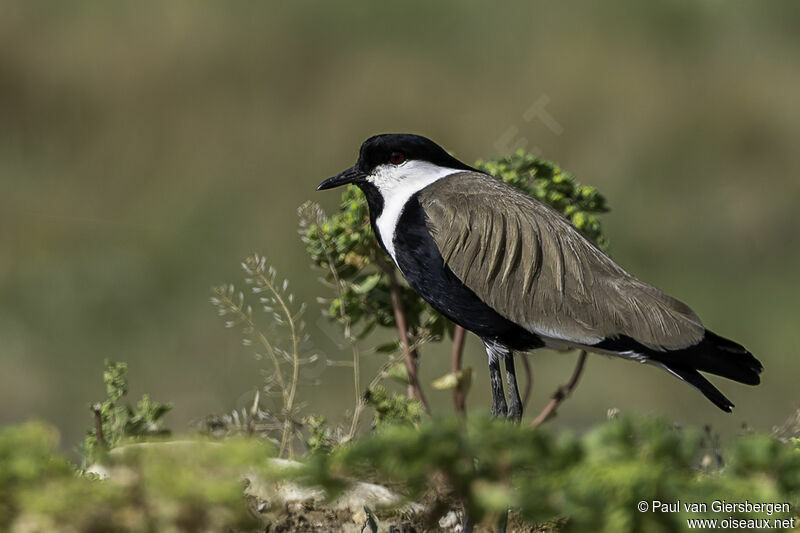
<point>280,340</point>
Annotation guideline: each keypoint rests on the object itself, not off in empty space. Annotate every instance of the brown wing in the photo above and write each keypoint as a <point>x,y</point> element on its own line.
<point>532,266</point>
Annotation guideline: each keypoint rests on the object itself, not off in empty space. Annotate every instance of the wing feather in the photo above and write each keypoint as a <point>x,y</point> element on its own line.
<point>532,266</point>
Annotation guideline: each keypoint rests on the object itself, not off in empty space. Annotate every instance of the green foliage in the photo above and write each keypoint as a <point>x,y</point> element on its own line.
<point>165,486</point>
<point>117,421</point>
<point>549,183</point>
<point>25,459</point>
<point>320,437</point>
<point>392,408</point>
<point>344,246</point>
<point>589,483</point>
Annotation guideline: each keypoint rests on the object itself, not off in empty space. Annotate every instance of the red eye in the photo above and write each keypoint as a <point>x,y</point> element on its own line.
<point>396,158</point>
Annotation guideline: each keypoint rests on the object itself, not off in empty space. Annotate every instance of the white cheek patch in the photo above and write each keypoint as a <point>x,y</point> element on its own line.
<point>397,184</point>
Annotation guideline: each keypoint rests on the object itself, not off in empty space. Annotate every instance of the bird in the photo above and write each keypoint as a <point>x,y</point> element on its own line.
<point>520,276</point>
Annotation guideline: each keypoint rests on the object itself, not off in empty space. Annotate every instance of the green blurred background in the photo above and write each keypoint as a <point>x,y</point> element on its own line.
<point>147,147</point>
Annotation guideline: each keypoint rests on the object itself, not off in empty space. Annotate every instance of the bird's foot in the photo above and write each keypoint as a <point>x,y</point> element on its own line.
<point>514,413</point>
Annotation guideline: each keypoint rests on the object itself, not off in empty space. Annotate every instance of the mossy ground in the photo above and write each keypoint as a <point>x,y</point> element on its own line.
<point>555,482</point>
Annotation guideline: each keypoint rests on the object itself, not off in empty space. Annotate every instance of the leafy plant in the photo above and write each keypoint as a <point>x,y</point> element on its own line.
<point>367,292</point>
<point>282,342</point>
<point>25,459</point>
<point>320,438</point>
<point>114,422</point>
<point>393,409</point>
<point>167,486</point>
<point>592,482</point>
<point>588,483</point>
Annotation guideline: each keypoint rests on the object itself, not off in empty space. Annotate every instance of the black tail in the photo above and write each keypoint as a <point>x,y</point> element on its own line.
<point>695,379</point>
<point>719,356</point>
<point>714,354</point>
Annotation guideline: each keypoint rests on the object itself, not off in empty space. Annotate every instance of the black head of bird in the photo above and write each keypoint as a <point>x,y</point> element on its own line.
<point>520,276</point>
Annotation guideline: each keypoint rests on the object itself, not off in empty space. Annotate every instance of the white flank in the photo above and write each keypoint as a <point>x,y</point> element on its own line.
<point>564,345</point>
<point>397,184</point>
<point>558,341</point>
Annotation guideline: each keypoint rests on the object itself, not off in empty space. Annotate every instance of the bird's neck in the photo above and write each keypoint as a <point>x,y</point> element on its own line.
<point>375,203</point>
<point>374,198</point>
<point>390,188</point>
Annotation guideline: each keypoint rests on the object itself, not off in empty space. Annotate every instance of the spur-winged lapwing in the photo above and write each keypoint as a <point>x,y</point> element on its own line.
<point>516,273</point>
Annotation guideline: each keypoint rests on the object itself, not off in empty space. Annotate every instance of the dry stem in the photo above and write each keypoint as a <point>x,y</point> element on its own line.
<point>98,426</point>
<point>410,355</point>
<point>247,317</point>
<point>359,400</point>
<point>456,356</point>
<point>561,393</point>
<point>289,398</point>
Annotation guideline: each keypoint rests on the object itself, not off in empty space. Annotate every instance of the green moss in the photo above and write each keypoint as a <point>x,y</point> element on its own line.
<point>26,458</point>
<point>591,483</point>
<point>168,486</point>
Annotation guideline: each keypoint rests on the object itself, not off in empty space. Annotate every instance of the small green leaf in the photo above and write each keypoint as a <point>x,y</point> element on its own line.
<point>369,283</point>
<point>389,347</point>
<point>461,379</point>
<point>448,381</point>
<point>398,372</point>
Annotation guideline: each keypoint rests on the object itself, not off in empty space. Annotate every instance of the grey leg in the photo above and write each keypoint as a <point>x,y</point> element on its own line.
<point>499,407</point>
<point>514,401</point>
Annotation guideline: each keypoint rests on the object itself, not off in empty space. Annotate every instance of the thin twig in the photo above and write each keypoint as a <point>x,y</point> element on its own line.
<point>381,374</point>
<point>526,365</point>
<point>98,426</point>
<point>561,393</point>
<point>359,406</point>
<point>289,403</point>
<point>247,318</point>
<point>343,316</point>
<point>245,315</point>
<point>456,355</point>
<point>251,420</point>
<point>411,356</point>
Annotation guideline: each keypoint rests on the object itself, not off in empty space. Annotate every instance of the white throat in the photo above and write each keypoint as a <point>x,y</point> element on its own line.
<point>397,184</point>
